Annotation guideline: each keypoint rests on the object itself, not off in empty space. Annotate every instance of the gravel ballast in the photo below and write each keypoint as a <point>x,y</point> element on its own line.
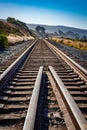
<point>11,51</point>
<point>80,56</point>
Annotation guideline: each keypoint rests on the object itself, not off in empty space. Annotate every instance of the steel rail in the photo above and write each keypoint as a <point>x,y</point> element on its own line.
<point>32,109</point>
<point>7,74</point>
<point>76,115</point>
<point>79,69</point>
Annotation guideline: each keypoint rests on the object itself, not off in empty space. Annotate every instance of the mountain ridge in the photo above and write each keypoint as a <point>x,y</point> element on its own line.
<point>56,28</point>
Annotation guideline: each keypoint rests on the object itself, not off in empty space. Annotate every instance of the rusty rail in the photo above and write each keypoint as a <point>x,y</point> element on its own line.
<point>7,74</point>
<point>77,117</point>
<point>79,69</point>
<point>31,113</point>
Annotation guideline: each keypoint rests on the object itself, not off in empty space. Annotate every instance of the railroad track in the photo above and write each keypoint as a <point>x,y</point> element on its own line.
<point>43,90</point>
<point>14,55</point>
<point>73,56</point>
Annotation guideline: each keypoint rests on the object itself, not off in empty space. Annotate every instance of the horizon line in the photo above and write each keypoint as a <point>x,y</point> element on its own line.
<point>47,24</point>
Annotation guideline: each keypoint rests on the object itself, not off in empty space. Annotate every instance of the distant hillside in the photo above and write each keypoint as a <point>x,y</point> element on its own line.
<point>67,31</point>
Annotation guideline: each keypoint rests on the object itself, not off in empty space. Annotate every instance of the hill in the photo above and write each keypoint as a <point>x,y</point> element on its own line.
<point>66,31</point>
<point>14,29</point>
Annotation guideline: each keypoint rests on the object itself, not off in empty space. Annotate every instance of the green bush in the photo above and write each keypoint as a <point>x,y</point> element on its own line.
<point>3,41</point>
<point>9,19</point>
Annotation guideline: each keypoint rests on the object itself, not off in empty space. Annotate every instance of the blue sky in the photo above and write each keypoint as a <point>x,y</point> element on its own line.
<point>50,12</point>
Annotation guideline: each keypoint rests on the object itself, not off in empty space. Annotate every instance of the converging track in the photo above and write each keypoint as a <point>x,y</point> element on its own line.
<point>43,90</point>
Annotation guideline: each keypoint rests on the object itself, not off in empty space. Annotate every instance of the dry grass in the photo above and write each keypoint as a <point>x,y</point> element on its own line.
<point>73,43</point>
<point>15,38</point>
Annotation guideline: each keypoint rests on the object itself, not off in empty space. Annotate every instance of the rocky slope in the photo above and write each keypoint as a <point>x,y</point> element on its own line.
<point>15,30</point>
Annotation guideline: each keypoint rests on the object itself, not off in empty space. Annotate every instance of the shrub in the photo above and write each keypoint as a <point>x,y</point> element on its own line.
<point>9,19</point>
<point>1,32</point>
<point>3,41</point>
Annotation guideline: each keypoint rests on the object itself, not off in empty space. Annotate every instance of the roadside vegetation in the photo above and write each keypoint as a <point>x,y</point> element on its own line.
<point>3,42</point>
<point>79,44</point>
